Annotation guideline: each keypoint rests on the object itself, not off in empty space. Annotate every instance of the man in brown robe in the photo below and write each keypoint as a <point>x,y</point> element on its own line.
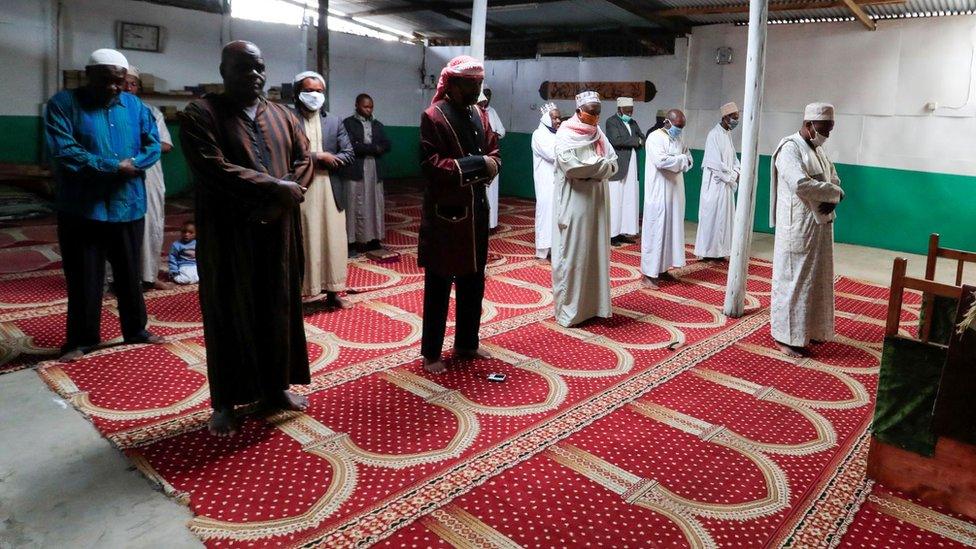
<point>250,162</point>
<point>459,159</point>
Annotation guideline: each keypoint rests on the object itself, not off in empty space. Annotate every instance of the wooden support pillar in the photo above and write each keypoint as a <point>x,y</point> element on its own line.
<point>479,18</point>
<point>745,209</point>
<point>322,48</point>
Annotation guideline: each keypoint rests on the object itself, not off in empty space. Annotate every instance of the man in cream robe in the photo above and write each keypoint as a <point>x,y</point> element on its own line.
<point>323,220</point>
<point>155,220</point>
<point>663,231</point>
<point>804,191</point>
<point>585,160</point>
<point>626,137</point>
<point>544,173</point>
<point>495,121</point>
<point>720,179</point>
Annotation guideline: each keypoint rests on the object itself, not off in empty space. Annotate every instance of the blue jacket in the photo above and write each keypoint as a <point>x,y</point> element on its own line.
<point>86,144</point>
<point>182,254</point>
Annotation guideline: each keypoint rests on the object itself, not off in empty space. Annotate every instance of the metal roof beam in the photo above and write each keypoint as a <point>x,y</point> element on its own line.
<point>649,14</point>
<point>782,6</point>
<point>451,14</point>
<point>435,6</point>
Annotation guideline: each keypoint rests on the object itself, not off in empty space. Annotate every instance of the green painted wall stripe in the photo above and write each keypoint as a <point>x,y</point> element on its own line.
<point>885,207</point>
<point>403,160</point>
<point>20,141</point>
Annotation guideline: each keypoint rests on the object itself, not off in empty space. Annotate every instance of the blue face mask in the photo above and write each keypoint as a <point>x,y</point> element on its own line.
<point>674,132</point>
<point>625,118</point>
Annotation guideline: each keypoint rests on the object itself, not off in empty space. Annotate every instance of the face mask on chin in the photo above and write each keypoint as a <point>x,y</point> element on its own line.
<point>313,101</point>
<point>625,118</point>
<point>733,122</point>
<point>587,118</point>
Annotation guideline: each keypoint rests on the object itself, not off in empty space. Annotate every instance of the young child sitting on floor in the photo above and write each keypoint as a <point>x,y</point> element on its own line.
<point>183,256</point>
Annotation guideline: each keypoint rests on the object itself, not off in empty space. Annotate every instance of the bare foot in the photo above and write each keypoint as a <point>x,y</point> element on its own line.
<point>163,285</point>
<point>650,283</point>
<point>149,339</point>
<point>334,301</point>
<point>72,356</point>
<point>223,423</point>
<point>434,366</point>
<point>465,354</point>
<point>288,400</point>
<point>791,351</point>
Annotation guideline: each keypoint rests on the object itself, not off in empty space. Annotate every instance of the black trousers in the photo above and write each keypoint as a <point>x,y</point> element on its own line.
<point>437,296</point>
<point>85,246</point>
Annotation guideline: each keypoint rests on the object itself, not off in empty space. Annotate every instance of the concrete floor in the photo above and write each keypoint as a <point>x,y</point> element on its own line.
<point>63,485</point>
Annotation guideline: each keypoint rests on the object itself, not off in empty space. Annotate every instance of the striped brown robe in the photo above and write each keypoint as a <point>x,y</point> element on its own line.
<point>249,246</point>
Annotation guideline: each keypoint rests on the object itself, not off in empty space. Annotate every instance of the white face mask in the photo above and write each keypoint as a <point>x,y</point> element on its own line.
<point>818,139</point>
<point>313,101</point>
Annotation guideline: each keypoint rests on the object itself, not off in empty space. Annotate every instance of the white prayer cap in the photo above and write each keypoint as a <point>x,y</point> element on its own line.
<point>625,101</point>
<point>545,111</point>
<point>729,108</point>
<point>308,74</point>
<point>109,57</point>
<point>134,71</point>
<point>586,98</point>
<point>818,111</point>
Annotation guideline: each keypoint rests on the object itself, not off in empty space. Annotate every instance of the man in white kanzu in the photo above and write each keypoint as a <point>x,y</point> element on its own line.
<point>663,231</point>
<point>804,191</point>
<point>585,160</point>
<point>544,173</point>
<point>720,179</point>
<point>484,101</point>
<point>152,236</point>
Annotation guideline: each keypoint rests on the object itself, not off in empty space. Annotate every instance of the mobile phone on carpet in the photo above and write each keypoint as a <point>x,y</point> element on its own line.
<point>497,377</point>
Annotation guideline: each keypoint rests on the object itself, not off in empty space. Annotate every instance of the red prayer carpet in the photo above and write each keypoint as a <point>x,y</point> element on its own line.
<point>667,425</point>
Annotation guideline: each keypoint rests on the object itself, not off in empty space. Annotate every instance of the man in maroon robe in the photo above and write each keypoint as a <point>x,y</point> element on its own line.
<point>459,157</point>
<point>250,163</point>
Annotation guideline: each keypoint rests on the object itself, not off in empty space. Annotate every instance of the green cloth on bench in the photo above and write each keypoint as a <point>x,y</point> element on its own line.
<point>943,317</point>
<point>907,385</point>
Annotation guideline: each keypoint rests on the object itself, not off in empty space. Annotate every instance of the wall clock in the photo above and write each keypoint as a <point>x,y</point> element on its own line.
<point>136,36</point>
<point>723,56</point>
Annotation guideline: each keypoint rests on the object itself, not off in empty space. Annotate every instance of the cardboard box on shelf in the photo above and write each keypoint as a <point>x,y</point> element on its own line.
<point>148,82</point>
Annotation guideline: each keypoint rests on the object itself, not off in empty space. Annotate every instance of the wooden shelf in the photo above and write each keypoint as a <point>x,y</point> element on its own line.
<point>166,95</point>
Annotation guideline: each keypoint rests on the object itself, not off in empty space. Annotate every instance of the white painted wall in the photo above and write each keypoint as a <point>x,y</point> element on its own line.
<point>191,54</point>
<point>515,84</point>
<point>878,81</point>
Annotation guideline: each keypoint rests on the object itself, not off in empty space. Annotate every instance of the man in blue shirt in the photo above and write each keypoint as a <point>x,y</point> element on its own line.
<point>101,141</point>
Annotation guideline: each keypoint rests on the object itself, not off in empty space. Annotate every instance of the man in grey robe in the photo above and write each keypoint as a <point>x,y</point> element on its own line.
<point>365,226</point>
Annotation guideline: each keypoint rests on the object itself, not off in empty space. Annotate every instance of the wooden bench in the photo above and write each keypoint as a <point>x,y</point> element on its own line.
<point>948,477</point>
<point>935,252</point>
